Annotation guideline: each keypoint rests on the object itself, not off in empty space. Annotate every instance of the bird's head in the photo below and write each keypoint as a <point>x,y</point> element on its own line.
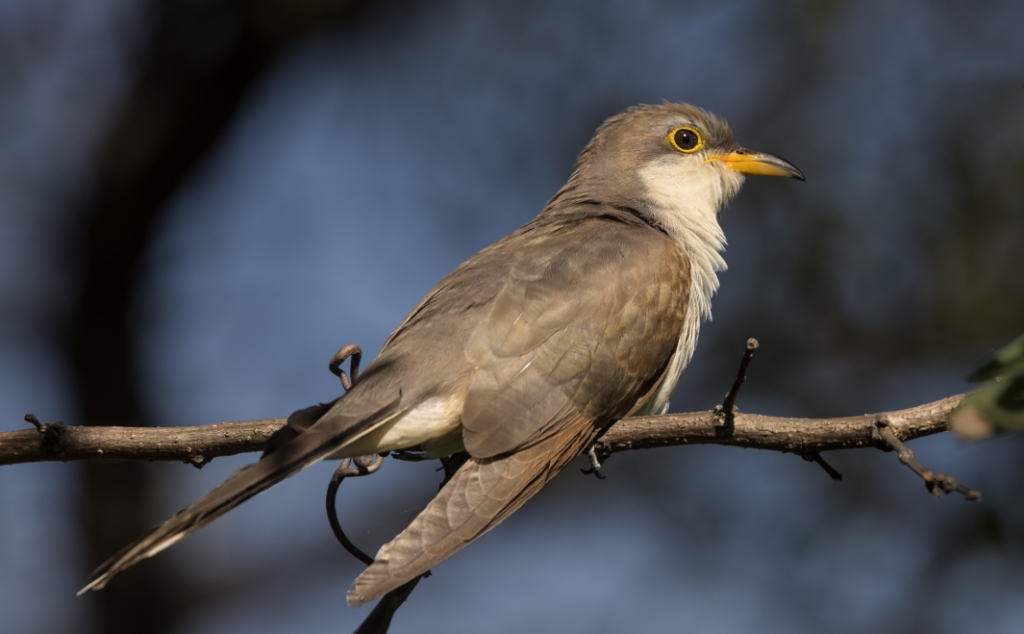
<point>675,166</point>
<point>667,159</point>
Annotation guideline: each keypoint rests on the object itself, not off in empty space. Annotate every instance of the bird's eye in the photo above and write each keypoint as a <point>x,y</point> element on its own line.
<point>685,140</point>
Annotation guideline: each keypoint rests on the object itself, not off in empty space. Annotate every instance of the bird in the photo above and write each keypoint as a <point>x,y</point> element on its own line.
<point>529,350</point>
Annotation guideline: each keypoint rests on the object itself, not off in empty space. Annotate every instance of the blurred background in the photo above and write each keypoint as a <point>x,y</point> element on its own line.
<point>201,200</point>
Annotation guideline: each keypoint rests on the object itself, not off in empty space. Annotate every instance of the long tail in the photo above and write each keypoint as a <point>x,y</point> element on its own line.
<point>285,460</point>
<point>480,495</point>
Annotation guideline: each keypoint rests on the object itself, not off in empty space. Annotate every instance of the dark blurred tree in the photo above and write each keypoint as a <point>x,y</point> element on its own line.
<point>203,59</point>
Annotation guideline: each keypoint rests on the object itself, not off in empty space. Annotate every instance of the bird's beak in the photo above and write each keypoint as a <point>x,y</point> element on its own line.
<point>752,162</point>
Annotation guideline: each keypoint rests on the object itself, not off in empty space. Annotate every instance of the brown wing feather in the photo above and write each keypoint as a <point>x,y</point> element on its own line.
<point>588,320</point>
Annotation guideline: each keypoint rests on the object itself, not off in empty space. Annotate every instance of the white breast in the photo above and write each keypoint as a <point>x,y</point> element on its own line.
<point>686,198</point>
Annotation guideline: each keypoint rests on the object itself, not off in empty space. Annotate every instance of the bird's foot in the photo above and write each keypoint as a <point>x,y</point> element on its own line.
<point>595,464</point>
<point>411,456</point>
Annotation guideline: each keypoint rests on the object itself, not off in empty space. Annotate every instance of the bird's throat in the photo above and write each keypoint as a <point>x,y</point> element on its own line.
<point>686,204</point>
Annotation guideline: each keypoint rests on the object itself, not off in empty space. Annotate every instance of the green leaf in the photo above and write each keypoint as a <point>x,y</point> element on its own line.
<point>998,406</point>
<point>1008,360</point>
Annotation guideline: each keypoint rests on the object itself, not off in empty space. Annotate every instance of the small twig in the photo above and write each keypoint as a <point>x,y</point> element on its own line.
<point>934,482</point>
<point>727,410</point>
<point>364,465</point>
<point>829,469</point>
<point>31,418</point>
<point>346,351</point>
<point>379,620</point>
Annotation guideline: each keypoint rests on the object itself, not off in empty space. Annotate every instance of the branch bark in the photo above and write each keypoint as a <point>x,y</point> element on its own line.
<point>198,445</point>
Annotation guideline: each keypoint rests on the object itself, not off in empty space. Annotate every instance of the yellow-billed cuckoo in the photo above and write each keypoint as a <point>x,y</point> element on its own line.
<point>530,349</point>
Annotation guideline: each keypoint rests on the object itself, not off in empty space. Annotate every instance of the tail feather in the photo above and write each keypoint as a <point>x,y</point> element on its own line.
<point>286,460</point>
<point>480,495</point>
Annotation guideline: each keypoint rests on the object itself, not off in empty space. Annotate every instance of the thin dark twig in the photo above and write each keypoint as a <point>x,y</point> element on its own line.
<point>934,482</point>
<point>727,410</point>
<point>379,620</point>
<point>346,351</point>
<point>829,469</point>
<point>364,465</point>
<point>31,418</point>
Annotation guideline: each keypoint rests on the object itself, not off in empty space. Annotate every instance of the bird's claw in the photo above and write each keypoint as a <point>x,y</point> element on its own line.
<point>595,464</point>
<point>411,456</point>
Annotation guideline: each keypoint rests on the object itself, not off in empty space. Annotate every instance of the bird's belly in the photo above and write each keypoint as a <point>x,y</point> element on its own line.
<point>430,420</point>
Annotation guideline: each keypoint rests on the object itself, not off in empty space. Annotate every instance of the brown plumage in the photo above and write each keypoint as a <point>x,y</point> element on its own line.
<point>530,349</point>
<point>550,373</point>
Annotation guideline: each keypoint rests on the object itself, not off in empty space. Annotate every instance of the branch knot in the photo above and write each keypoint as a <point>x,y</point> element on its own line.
<point>53,435</point>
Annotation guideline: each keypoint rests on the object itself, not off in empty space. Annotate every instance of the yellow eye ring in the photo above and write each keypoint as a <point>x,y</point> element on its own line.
<point>686,140</point>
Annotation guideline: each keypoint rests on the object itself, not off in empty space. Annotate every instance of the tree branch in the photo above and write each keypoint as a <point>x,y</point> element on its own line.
<point>199,445</point>
<point>806,437</point>
<point>193,445</point>
<point>803,436</point>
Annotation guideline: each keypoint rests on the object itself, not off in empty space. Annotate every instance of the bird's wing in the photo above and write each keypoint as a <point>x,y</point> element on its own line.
<point>587,322</point>
<point>480,495</point>
<point>586,325</point>
<point>284,461</point>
